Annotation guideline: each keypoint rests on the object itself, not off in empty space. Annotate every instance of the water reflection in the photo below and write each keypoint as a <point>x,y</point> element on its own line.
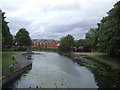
<point>51,70</point>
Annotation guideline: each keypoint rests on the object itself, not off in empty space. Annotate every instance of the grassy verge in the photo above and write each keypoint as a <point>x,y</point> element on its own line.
<point>8,65</point>
<point>105,75</point>
<point>48,49</point>
<point>105,61</point>
<point>68,54</point>
<point>7,58</point>
<point>102,58</point>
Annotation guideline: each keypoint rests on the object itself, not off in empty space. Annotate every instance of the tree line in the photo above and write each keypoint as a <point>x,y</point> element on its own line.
<point>21,38</point>
<point>104,38</point>
<point>68,44</point>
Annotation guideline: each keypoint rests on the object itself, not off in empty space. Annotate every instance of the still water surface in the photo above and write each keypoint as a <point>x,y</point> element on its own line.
<point>51,70</point>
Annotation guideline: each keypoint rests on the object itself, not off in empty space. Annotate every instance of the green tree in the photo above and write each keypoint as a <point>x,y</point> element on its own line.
<point>107,36</point>
<point>92,37</point>
<point>66,43</point>
<point>86,43</point>
<point>7,38</point>
<point>103,35</point>
<point>22,38</point>
<point>109,31</point>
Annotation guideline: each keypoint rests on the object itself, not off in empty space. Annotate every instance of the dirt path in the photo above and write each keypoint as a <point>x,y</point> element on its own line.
<point>90,54</point>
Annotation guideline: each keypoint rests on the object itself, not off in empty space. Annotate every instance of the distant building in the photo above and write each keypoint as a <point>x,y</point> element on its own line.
<point>44,43</point>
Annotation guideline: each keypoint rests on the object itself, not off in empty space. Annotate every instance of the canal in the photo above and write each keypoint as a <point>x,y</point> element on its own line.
<point>51,70</point>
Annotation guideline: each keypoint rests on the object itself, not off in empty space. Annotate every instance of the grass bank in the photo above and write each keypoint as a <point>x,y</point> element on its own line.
<point>113,62</point>
<point>45,49</point>
<point>68,54</point>
<point>7,58</point>
<point>105,61</point>
<point>106,75</point>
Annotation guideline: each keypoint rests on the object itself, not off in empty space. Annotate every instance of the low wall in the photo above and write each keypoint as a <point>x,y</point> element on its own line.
<point>16,73</point>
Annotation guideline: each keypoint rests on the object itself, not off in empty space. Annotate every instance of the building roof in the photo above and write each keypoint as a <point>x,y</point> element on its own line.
<point>42,40</point>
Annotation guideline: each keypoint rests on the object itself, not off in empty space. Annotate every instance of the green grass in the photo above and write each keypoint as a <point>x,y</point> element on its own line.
<point>104,58</point>
<point>106,61</point>
<point>7,58</point>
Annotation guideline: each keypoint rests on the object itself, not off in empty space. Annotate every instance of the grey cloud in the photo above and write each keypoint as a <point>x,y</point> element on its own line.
<point>11,5</point>
<point>65,28</point>
<point>63,7</point>
<point>15,25</point>
<point>53,20</point>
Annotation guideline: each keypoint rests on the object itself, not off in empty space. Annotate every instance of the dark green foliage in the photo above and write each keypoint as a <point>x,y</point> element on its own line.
<point>66,43</point>
<point>22,38</point>
<point>109,31</point>
<point>106,37</point>
<point>7,38</point>
<point>92,36</point>
<point>86,43</point>
<point>48,49</point>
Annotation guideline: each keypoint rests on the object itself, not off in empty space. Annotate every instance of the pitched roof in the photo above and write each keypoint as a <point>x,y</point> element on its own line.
<point>42,40</point>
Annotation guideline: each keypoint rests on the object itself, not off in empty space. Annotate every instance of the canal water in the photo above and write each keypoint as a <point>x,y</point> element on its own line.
<point>51,70</point>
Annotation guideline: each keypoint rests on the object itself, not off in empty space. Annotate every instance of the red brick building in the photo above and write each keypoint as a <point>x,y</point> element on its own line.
<point>43,43</point>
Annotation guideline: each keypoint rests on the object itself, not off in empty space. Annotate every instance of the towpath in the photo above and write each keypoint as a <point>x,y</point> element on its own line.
<point>22,61</point>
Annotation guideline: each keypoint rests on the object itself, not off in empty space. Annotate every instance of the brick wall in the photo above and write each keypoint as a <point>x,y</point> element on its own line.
<point>45,44</point>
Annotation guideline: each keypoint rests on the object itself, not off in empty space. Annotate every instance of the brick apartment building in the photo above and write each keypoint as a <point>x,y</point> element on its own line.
<point>44,43</point>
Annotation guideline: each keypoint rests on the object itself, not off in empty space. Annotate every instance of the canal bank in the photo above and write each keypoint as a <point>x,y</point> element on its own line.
<point>106,76</point>
<point>52,70</point>
<point>103,58</point>
<point>23,65</point>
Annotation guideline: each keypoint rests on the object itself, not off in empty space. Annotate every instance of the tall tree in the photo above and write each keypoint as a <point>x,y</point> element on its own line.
<point>92,36</point>
<point>66,43</point>
<point>7,38</point>
<point>86,43</point>
<point>22,38</point>
<point>109,30</point>
<point>107,35</point>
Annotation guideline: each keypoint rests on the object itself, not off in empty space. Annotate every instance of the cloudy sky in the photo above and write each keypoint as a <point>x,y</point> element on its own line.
<point>52,19</point>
